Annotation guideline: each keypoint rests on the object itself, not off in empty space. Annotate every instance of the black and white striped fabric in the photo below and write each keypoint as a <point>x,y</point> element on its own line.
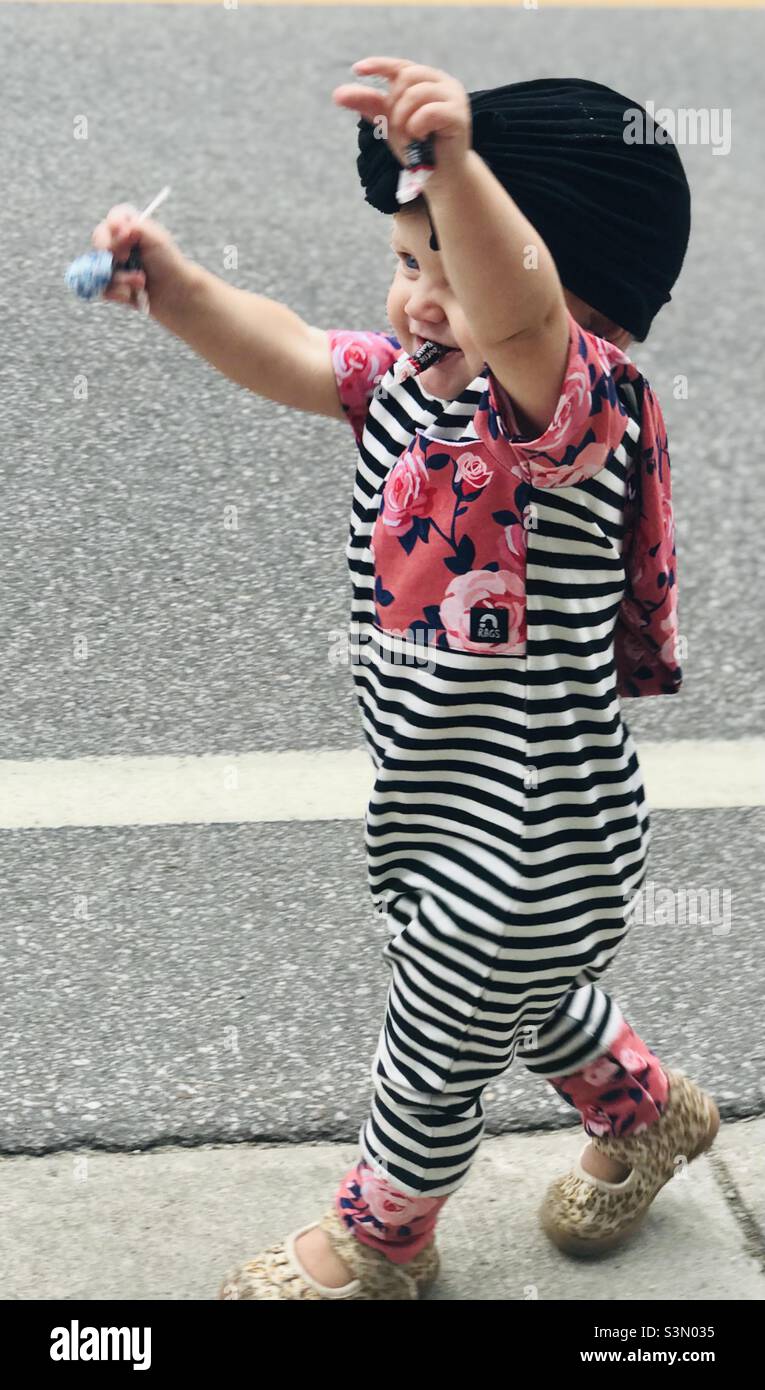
<point>507,832</point>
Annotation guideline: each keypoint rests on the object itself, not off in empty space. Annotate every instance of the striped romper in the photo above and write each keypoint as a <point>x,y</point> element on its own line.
<point>507,832</point>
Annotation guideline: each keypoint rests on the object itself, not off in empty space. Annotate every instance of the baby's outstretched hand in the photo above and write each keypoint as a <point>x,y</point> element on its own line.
<point>164,264</point>
<point>419,102</point>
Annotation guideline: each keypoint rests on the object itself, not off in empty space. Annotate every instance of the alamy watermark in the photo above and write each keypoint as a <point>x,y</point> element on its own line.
<point>706,125</point>
<point>411,646</point>
<point>694,907</point>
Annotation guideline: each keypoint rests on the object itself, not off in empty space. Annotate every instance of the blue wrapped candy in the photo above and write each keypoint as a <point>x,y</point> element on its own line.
<point>91,274</point>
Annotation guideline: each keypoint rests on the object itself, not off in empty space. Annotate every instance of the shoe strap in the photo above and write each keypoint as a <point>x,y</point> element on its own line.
<point>581,1172</point>
<point>345,1291</point>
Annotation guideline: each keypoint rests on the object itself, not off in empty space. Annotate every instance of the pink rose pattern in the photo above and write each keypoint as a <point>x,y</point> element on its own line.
<point>384,1218</point>
<point>431,566</point>
<point>448,512</point>
<point>588,422</point>
<point>409,493</point>
<point>485,589</point>
<point>623,1092</point>
<point>646,635</point>
<point>360,361</point>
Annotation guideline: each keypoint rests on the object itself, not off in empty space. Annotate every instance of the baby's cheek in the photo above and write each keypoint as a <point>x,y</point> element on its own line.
<point>396,315</point>
<point>469,345</point>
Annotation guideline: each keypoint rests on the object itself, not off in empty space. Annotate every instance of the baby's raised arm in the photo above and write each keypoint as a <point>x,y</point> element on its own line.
<point>255,341</point>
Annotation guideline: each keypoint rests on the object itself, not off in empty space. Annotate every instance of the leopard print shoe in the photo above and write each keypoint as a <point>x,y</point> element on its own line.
<point>584,1215</point>
<point>278,1273</point>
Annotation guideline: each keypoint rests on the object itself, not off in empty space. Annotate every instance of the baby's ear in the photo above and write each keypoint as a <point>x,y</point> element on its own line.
<point>620,337</point>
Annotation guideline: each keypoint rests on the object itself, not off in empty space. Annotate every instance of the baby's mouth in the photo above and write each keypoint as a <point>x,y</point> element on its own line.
<point>452,352</point>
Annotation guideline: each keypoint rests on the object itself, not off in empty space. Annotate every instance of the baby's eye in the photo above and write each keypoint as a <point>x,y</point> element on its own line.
<point>404,257</point>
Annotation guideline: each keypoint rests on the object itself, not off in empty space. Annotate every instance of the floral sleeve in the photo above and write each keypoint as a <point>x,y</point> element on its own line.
<point>589,422</point>
<point>589,419</point>
<point>646,639</point>
<point>360,361</point>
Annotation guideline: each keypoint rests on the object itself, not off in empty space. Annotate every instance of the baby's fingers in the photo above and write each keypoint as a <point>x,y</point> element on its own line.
<point>133,279</point>
<point>121,295</point>
<point>368,101</point>
<point>125,286</point>
<point>111,234</point>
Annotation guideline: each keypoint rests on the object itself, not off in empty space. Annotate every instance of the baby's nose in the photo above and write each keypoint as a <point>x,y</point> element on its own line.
<point>424,324</point>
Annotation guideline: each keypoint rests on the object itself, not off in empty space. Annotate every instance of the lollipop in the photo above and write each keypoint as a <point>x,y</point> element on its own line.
<point>419,361</point>
<point>89,275</point>
<point>420,163</point>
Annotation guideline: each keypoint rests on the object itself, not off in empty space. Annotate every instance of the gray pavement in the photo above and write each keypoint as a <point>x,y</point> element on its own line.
<point>198,1003</point>
<point>112,506</point>
<point>170,1224</point>
<point>228,983</point>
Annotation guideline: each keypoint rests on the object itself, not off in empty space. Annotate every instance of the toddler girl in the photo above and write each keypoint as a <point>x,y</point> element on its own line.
<point>512,562</point>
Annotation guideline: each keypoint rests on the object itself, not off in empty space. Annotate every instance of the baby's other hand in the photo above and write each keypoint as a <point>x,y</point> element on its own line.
<point>420,102</point>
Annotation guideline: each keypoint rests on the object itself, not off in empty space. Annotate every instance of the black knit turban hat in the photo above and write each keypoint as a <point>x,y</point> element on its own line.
<point>616,216</point>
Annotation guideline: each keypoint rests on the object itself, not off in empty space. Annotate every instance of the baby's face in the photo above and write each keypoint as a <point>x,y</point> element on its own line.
<point>421,304</point>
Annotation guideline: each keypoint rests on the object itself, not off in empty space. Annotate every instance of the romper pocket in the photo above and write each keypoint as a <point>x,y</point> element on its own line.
<point>448,547</point>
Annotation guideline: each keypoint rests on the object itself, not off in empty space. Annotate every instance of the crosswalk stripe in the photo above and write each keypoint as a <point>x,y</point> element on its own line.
<point>46,793</point>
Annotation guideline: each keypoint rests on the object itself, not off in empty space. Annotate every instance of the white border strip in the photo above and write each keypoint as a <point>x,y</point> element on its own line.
<point>456,4</point>
<point>689,774</point>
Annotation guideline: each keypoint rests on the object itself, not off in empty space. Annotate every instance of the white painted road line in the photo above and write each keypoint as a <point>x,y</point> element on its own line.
<point>687,774</point>
<point>187,790</point>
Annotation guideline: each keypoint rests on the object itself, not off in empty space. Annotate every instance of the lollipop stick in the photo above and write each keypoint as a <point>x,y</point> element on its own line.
<point>142,297</point>
<point>154,204</point>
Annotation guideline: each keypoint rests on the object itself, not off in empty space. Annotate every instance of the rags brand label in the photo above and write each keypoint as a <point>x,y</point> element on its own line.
<point>488,625</point>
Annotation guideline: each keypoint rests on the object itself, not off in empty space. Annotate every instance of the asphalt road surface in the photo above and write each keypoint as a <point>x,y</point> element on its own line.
<point>226,982</point>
